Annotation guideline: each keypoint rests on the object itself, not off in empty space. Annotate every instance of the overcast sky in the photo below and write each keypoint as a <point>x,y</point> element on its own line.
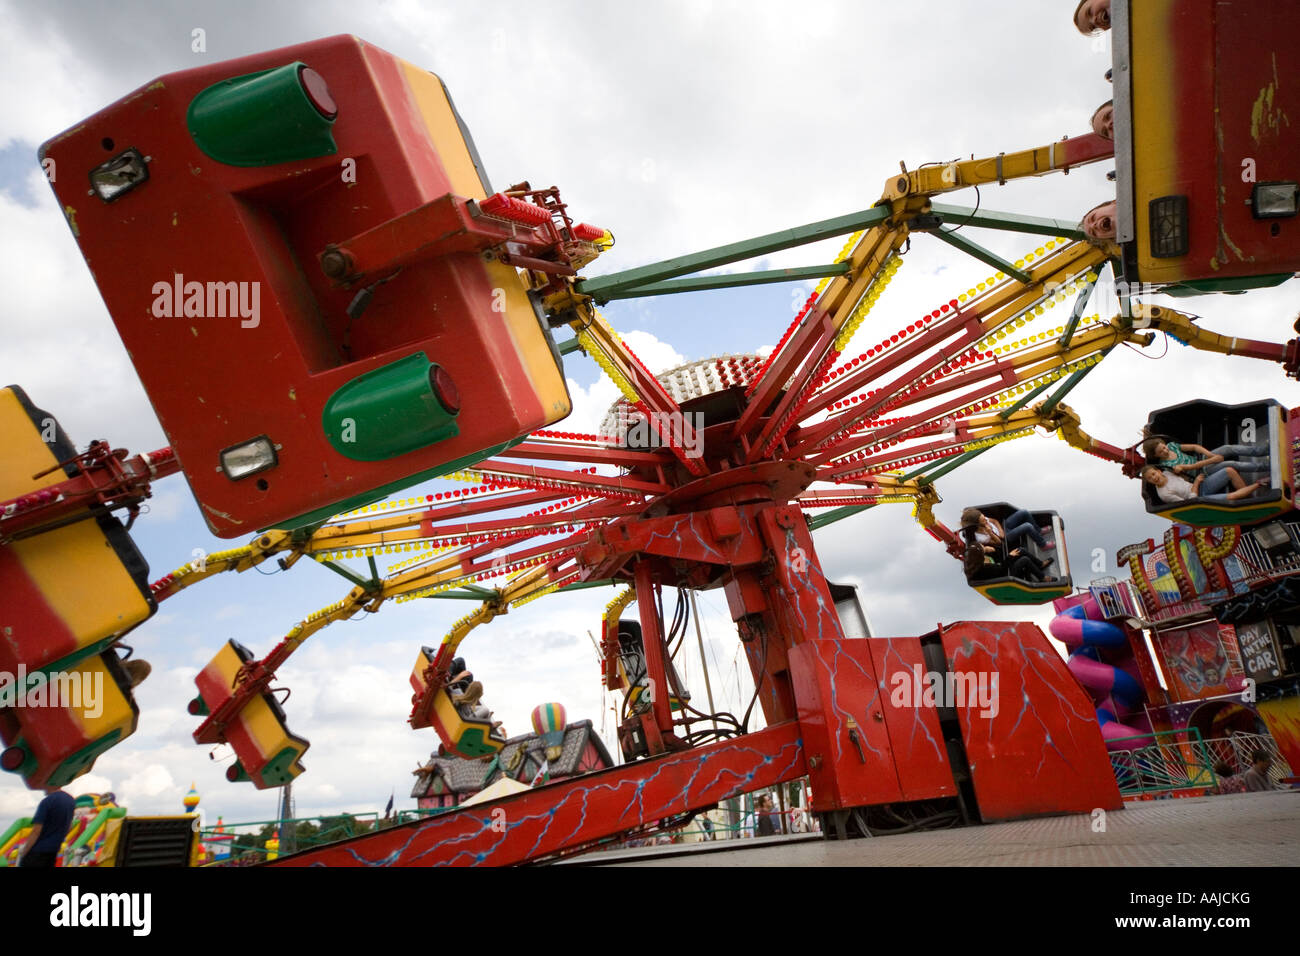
<point>679,126</point>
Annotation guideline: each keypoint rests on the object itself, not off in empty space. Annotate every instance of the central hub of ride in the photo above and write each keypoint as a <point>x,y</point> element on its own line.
<point>711,395</point>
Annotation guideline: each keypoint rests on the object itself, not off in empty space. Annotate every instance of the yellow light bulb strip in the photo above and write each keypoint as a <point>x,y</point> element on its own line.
<point>1040,308</point>
<point>864,307</point>
<point>597,353</point>
<point>844,254</point>
<point>549,589</point>
<point>210,562</point>
<point>998,439</point>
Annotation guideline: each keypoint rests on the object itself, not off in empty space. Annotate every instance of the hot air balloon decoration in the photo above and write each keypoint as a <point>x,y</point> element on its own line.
<point>549,721</point>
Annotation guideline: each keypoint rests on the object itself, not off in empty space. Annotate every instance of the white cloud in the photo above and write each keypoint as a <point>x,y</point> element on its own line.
<point>49,92</point>
<point>149,781</point>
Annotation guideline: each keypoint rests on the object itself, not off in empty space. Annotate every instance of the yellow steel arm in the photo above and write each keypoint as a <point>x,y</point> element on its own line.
<point>1044,361</point>
<point>357,599</point>
<point>1066,423</point>
<point>598,338</point>
<point>1022,369</point>
<point>844,294</point>
<point>610,653</point>
<point>524,587</point>
<point>460,630</point>
<point>938,178</point>
<point>1183,327</point>
<point>240,559</point>
<point>927,498</point>
<point>1004,302</point>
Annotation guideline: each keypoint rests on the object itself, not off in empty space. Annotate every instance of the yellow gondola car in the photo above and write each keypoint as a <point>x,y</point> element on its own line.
<point>459,734</point>
<point>1006,589</point>
<point>267,753</point>
<point>1249,432</point>
<point>69,591</point>
<point>88,709</point>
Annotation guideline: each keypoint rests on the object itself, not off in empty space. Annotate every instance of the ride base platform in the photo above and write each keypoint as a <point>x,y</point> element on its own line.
<point>1239,829</point>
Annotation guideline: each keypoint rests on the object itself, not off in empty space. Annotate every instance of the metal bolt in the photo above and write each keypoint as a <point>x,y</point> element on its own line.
<point>335,263</point>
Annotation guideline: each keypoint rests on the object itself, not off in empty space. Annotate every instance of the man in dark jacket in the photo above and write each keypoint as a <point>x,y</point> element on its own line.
<point>50,827</point>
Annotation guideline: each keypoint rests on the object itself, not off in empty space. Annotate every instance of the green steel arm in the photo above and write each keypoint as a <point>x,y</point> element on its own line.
<point>1080,306</point>
<point>1022,402</point>
<point>1069,384</point>
<point>1007,221</point>
<point>600,288</point>
<point>950,465</point>
<point>959,241</point>
<point>704,283</point>
<point>837,514</point>
<point>348,573</point>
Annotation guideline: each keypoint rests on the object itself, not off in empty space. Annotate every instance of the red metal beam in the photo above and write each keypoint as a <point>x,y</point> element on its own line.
<point>534,523</point>
<point>106,480</point>
<point>813,436</point>
<point>905,351</point>
<point>569,480</point>
<point>652,641</point>
<point>1000,368</point>
<point>812,333</point>
<point>593,454</point>
<point>444,226</point>
<point>482,504</point>
<point>576,813</point>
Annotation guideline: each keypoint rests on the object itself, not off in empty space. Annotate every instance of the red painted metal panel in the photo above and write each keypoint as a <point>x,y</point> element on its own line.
<point>1213,97</point>
<point>35,633</point>
<point>801,597</point>
<point>578,811</point>
<point>1254,115</point>
<point>850,762</point>
<point>920,754</point>
<point>1034,746</point>
<point>218,381</point>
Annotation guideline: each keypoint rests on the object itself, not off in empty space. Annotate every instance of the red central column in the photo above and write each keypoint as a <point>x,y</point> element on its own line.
<point>653,643</point>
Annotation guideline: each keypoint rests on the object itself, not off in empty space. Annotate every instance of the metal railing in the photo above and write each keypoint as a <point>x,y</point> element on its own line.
<point>1259,565</point>
<point>328,829</point>
<point>1237,749</point>
<point>1170,760</point>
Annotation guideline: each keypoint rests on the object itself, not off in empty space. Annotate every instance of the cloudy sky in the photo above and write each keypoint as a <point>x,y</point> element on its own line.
<point>679,126</point>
